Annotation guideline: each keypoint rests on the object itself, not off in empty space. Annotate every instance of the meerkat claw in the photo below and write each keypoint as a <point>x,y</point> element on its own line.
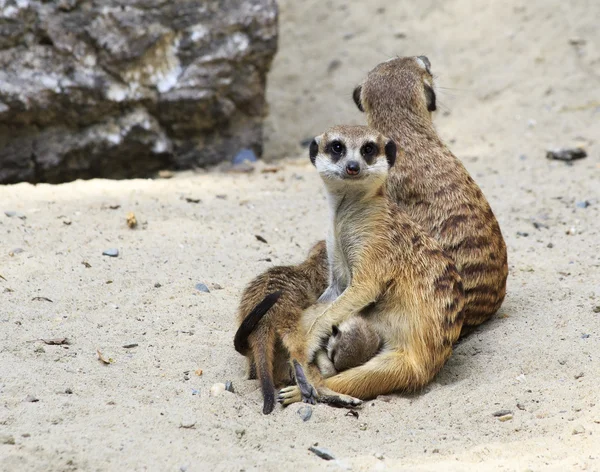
<point>344,401</point>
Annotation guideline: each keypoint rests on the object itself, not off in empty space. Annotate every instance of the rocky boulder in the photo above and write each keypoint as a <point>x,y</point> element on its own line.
<point>123,88</point>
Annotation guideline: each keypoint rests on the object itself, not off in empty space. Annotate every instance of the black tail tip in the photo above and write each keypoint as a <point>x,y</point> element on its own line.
<point>268,404</point>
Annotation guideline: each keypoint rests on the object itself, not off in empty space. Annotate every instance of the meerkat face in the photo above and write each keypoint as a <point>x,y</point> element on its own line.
<point>351,344</point>
<point>355,155</point>
<point>404,82</point>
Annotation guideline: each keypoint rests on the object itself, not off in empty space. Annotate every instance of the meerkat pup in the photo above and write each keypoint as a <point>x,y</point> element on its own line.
<point>432,186</point>
<point>269,317</point>
<point>351,344</point>
<point>386,268</point>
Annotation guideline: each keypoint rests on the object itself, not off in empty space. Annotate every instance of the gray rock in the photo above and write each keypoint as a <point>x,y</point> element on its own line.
<point>245,155</point>
<point>566,154</point>
<point>322,452</point>
<point>501,413</point>
<point>123,88</point>
<point>7,439</point>
<point>111,252</point>
<point>202,288</point>
<point>305,412</point>
<point>31,399</point>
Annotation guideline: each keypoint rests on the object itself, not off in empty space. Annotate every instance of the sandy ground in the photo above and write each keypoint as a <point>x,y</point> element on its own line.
<point>520,77</point>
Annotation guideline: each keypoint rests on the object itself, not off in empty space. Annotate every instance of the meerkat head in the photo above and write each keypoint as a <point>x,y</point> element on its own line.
<point>402,82</point>
<point>352,344</point>
<point>352,155</point>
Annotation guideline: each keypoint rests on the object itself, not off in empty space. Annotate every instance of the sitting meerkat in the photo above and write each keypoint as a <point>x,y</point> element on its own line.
<point>269,315</point>
<point>386,268</point>
<point>432,186</point>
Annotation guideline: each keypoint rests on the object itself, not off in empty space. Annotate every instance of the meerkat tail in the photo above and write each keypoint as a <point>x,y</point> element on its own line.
<point>264,352</point>
<point>383,374</point>
<point>240,341</point>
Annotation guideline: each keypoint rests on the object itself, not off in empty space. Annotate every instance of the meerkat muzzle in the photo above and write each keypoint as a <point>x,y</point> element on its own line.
<point>353,168</point>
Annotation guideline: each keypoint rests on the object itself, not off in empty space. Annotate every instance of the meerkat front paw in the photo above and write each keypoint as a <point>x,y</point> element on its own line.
<point>338,399</point>
<point>289,395</point>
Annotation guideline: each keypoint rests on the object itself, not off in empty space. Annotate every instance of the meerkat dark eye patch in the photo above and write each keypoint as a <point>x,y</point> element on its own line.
<point>390,152</point>
<point>430,96</point>
<point>427,63</point>
<point>356,97</point>
<point>369,151</point>
<point>313,150</point>
<point>335,330</point>
<point>336,149</point>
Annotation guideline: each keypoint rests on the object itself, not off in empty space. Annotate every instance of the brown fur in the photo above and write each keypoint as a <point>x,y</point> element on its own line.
<point>300,287</point>
<point>385,266</point>
<point>432,186</point>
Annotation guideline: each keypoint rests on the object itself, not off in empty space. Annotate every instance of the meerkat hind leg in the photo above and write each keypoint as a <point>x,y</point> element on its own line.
<point>307,391</point>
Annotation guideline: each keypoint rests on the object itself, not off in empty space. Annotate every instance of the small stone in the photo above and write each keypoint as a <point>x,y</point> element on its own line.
<point>562,361</point>
<point>130,345</point>
<point>522,233</point>
<point>15,251</point>
<point>333,66</point>
<point>192,200</point>
<point>585,336</point>
<point>578,430</point>
<point>579,375</point>
<point>571,231</point>
<point>68,391</point>
<point>229,386</point>
<point>435,451</point>
<point>501,413</point>
<point>26,435</point>
<point>505,418</point>
<point>520,406</point>
<point>165,174</point>
<point>245,155</point>
<point>131,220</point>
<point>111,252</point>
<point>362,426</point>
<point>550,245</point>
<point>7,439</point>
<point>583,204</point>
<point>157,285</point>
<point>39,350</point>
<point>240,433</point>
<point>187,423</point>
<point>400,35</point>
<point>379,455</point>
<point>67,222</point>
<point>566,154</point>
<point>217,286</point>
<point>31,399</point>
<point>596,309</point>
<point>322,452</point>
<point>260,238</point>
<point>202,288</point>
<point>11,214</point>
<point>305,412</point>
<point>217,389</point>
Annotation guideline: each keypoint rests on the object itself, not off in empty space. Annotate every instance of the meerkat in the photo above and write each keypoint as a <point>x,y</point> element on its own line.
<point>351,344</point>
<point>386,268</point>
<point>269,315</point>
<point>432,186</point>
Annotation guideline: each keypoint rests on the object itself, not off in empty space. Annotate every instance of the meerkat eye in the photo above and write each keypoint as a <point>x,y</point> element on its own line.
<point>430,96</point>
<point>337,148</point>
<point>369,150</point>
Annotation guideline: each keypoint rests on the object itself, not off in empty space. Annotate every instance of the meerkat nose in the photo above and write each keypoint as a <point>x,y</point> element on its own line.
<point>352,168</point>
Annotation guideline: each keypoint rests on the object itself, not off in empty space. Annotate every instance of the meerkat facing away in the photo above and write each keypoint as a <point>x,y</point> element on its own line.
<point>351,344</point>
<point>269,317</point>
<point>385,267</point>
<point>432,186</point>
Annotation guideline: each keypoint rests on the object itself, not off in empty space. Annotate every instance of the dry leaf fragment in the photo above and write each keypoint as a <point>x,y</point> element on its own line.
<point>198,372</point>
<point>86,264</point>
<point>102,359</point>
<point>271,170</point>
<point>41,299</point>
<point>260,238</point>
<point>1,277</point>
<point>131,220</point>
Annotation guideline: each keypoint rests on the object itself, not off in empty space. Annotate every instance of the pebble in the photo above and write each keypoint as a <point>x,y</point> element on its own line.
<point>187,423</point>
<point>579,375</point>
<point>566,154</point>
<point>334,65</point>
<point>305,412</point>
<point>202,288</point>
<point>522,233</point>
<point>505,418</point>
<point>31,399</point>
<point>7,439</point>
<point>10,214</point>
<point>578,430</point>
<point>111,252</point>
<point>15,251</point>
<point>501,413</point>
<point>157,285</point>
<point>583,204</point>
<point>362,426</point>
<point>217,286</point>
<point>130,345</point>
<point>68,391</point>
<point>245,155</point>
<point>520,406</point>
<point>379,455</point>
<point>322,452</point>
<point>217,389</point>
<point>240,433</point>
<point>229,386</point>
<point>596,309</point>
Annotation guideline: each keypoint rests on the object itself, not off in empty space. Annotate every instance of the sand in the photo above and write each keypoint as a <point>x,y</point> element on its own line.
<point>518,77</point>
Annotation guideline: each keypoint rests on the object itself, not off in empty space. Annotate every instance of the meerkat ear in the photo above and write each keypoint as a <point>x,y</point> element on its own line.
<point>430,96</point>
<point>313,150</point>
<point>335,330</point>
<point>356,97</point>
<point>390,152</point>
